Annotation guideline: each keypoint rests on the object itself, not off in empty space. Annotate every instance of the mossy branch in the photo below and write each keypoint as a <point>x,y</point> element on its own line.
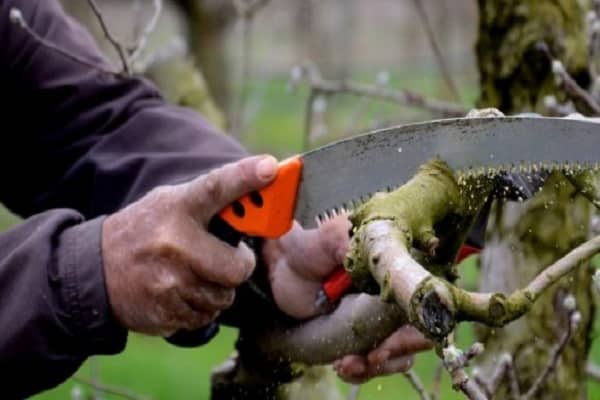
<point>388,226</point>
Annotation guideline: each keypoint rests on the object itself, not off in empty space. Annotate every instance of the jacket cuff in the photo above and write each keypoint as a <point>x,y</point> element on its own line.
<point>84,290</point>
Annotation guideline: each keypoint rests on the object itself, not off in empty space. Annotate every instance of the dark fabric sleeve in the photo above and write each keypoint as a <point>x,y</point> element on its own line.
<point>53,307</point>
<point>82,138</point>
<point>77,143</point>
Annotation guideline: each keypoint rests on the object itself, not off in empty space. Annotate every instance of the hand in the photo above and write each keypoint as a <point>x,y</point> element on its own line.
<point>299,261</point>
<point>394,355</point>
<point>163,270</point>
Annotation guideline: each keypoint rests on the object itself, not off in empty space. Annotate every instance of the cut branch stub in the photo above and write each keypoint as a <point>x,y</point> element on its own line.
<point>387,227</point>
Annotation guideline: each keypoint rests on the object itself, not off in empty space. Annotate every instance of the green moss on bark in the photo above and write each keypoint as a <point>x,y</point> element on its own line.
<point>514,76</point>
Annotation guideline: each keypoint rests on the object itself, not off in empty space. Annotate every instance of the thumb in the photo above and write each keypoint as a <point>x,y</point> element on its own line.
<point>210,193</point>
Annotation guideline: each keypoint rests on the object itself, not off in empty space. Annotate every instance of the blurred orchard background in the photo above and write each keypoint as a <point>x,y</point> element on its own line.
<point>248,77</point>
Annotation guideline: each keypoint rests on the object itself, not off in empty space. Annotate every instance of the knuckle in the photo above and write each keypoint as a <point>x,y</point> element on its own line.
<point>225,299</point>
<point>212,187</point>
<point>161,194</point>
<point>240,270</point>
<point>165,247</point>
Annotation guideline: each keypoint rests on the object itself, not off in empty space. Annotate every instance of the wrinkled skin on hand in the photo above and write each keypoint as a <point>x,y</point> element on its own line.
<point>395,354</point>
<point>163,270</point>
<point>299,262</point>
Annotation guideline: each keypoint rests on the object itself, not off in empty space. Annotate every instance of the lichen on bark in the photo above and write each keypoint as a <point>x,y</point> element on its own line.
<point>514,75</point>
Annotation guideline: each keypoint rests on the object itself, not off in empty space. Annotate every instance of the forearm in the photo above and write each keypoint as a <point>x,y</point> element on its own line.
<point>54,310</point>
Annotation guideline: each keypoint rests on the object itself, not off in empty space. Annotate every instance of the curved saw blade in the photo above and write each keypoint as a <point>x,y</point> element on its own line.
<point>347,172</point>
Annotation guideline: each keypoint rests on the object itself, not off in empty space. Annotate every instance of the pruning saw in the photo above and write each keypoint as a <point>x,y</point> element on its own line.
<point>320,184</point>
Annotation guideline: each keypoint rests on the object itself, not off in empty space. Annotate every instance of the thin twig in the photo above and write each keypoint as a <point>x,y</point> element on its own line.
<point>567,82</point>
<point>437,380</point>
<point>354,392</point>
<point>114,42</point>
<point>504,369</point>
<point>145,34</point>
<point>95,378</point>
<point>574,319</point>
<point>436,49</point>
<point>16,17</point>
<point>416,383</point>
<point>246,10</point>
<point>563,266</point>
<point>403,97</point>
<point>308,119</point>
<point>111,389</point>
<point>455,362</point>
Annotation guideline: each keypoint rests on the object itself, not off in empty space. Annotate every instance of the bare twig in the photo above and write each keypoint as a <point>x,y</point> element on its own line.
<point>574,319</point>
<point>246,10</point>
<point>354,392</point>
<point>308,119</point>
<point>95,378</point>
<point>563,266</point>
<point>16,17</point>
<point>455,362</point>
<point>112,40</point>
<point>416,383</point>
<point>377,92</point>
<point>504,368</point>
<point>437,380</point>
<point>436,49</point>
<point>140,46</point>
<point>557,109</point>
<point>567,82</point>
<point>111,389</point>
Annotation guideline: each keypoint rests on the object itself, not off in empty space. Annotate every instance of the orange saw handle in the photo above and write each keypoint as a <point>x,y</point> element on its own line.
<point>267,213</point>
<point>339,282</point>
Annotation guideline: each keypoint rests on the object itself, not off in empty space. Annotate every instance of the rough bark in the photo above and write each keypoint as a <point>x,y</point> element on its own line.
<point>210,22</point>
<point>514,76</point>
<point>524,238</point>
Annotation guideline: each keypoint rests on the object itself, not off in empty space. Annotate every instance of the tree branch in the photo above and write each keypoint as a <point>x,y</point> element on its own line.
<point>567,82</point>
<point>573,322</point>
<point>504,368</point>
<point>563,266</point>
<point>437,380</point>
<point>111,389</point>
<point>16,17</point>
<point>139,48</point>
<point>356,325</point>
<point>436,49</point>
<point>455,362</point>
<point>112,40</point>
<point>416,383</point>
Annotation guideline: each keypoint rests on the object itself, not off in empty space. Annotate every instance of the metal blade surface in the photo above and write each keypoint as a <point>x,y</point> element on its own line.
<point>347,172</point>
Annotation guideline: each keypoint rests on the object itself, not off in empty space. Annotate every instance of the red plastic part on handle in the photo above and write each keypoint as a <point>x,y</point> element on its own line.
<point>337,284</point>
<point>465,251</point>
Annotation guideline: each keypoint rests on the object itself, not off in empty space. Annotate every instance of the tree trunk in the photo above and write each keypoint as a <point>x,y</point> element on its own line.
<point>523,238</point>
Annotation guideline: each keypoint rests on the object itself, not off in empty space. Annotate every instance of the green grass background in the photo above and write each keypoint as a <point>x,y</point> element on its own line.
<point>152,367</point>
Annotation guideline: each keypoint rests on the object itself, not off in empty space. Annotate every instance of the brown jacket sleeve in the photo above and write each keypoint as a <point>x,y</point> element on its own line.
<point>78,143</point>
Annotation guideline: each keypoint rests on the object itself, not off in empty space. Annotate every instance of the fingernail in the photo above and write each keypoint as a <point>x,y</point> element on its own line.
<point>267,168</point>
